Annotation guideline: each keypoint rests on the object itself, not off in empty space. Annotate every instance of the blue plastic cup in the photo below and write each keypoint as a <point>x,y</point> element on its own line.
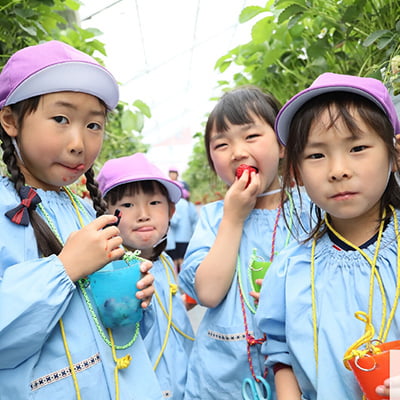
<point>114,292</point>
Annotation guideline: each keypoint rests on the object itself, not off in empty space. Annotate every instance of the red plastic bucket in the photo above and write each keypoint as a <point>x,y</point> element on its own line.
<point>372,369</point>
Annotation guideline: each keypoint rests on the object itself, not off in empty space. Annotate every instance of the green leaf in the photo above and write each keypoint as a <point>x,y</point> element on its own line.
<point>131,121</point>
<point>72,4</point>
<point>249,13</point>
<point>290,12</point>
<point>384,42</point>
<point>374,36</point>
<point>262,30</point>
<point>143,107</point>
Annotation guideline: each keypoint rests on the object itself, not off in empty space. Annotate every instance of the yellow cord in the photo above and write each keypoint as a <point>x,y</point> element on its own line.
<point>64,337</point>
<point>366,339</point>
<point>367,318</point>
<point>165,342</point>
<point>374,271</point>
<point>70,363</point>
<point>120,363</point>
<point>314,305</point>
<point>174,289</point>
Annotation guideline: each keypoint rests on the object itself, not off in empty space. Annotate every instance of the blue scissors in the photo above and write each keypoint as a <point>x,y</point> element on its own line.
<point>258,390</point>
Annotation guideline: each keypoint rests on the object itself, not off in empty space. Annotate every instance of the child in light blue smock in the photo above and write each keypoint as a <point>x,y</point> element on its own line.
<point>242,233</point>
<point>53,105</point>
<point>339,134</point>
<point>146,200</point>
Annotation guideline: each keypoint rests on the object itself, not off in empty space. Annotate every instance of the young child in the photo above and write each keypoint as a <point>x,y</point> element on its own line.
<point>53,105</point>
<point>339,135</point>
<point>146,200</point>
<point>234,236</point>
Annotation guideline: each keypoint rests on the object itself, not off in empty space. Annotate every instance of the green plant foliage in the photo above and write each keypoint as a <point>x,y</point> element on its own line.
<point>28,22</point>
<point>294,41</point>
<point>298,40</point>
<point>205,186</point>
<point>123,133</point>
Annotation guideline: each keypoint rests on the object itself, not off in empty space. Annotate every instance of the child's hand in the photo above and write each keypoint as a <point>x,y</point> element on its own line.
<point>145,284</point>
<point>254,294</point>
<point>92,247</point>
<point>391,387</point>
<point>241,197</point>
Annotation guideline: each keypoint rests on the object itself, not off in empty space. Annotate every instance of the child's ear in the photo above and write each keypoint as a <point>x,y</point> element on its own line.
<point>8,122</point>
<point>282,151</point>
<point>171,209</point>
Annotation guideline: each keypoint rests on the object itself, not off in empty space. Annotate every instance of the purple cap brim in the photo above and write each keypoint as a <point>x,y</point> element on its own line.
<point>370,88</point>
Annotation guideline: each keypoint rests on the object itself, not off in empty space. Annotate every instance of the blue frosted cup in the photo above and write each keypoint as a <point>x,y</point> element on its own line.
<point>114,292</point>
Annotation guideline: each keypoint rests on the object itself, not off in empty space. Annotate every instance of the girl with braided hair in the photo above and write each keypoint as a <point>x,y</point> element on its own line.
<point>54,101</point>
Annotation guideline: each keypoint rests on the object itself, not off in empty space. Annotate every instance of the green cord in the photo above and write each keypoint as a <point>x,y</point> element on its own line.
<point>83,282</point>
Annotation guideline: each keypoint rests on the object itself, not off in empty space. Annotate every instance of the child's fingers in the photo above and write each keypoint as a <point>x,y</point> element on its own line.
<point>382,391</point>
<point>146,266</point>
<point>146,288</point>
<point>101,222</point>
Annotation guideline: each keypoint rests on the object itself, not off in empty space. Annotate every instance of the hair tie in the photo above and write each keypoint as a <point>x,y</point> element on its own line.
<point>29,200</point>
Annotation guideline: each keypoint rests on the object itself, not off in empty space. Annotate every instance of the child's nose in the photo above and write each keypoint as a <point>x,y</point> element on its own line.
<point>239,153</point>
<point>76,144</point>
<point>339,170</point>
<point>143,214</point>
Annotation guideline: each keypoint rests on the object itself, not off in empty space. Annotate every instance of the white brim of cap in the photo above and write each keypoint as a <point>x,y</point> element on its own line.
<point>71,76</point>
<point>288,111</point>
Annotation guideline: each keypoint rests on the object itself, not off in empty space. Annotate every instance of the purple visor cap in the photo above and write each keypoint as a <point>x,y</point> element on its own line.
<point>120,171</point>
<point>369,88</point>
<point>55,67</point>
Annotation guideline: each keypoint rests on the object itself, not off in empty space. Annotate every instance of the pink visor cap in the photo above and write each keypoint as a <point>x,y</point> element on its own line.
<point>55,67</point>
<point>369,88</point>
<point>119,171</point>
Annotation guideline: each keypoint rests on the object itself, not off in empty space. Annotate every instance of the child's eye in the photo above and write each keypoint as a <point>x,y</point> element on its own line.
<point>315,156</point>
<point>219,146</point>
<point>60,119</point>
<point>126,205</point>
<point>356,149</point>
<point>253,136</point>
<point>95,126</point>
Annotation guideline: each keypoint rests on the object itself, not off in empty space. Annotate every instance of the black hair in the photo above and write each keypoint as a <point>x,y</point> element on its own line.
<point>47,241</point>
<point>132,188</point>
<point>340,106</point>
<point>235,107</point>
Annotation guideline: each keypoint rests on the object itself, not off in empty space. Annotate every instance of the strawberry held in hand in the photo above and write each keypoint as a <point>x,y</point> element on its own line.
<point>241,168</point>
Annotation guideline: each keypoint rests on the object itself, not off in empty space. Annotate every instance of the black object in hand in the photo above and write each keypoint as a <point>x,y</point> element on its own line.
<point>117,213</point>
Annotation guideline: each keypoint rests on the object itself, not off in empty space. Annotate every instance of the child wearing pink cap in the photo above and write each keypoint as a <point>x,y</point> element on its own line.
<point>146,200</point>
<point>324,302</point>
<point>53,105</point>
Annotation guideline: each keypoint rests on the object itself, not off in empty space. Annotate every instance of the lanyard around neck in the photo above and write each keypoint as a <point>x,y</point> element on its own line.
<point>374,273</point>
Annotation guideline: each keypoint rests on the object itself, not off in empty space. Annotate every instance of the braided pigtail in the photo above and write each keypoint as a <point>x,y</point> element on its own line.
<point>92,186</point>
<point>46,240</point>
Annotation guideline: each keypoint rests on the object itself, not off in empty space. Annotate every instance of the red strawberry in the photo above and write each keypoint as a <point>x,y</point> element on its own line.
<point>241,168</point>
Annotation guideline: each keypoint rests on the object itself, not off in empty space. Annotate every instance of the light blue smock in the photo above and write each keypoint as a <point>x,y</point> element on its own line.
<point>219,362</point>
<point>34,294</point>
<point>183,221</point>
<point>342,288</point>
<point>172,368</point>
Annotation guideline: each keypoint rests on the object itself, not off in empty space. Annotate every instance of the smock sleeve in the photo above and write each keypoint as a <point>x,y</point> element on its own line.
<point>271,312</point>
<point>33,296</point>
<point>199,245</point>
